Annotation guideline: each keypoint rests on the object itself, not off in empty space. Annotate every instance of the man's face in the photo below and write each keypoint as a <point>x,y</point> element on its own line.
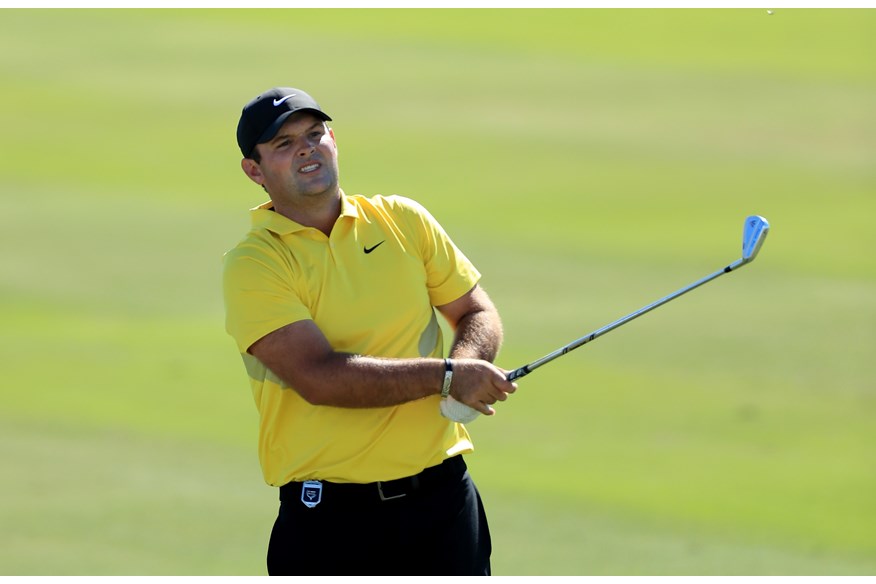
<point>300,161</point>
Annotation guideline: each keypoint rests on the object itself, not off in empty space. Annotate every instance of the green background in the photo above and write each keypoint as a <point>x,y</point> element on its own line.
<point>589,161</point>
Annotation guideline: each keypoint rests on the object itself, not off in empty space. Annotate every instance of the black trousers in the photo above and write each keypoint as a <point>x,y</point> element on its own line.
<point>431,524</point>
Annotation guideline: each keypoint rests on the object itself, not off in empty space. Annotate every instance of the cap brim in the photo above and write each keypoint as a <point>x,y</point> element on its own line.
<point>272,130</point>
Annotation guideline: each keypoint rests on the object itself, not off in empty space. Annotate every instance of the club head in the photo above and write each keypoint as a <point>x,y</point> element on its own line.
<point>753,234</point>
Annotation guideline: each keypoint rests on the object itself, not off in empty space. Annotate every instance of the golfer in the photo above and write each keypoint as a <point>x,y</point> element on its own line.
<point>332,299</point>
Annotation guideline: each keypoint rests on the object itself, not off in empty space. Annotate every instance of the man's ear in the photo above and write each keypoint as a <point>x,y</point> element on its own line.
<point>332,134</point>
<point>252,169</point>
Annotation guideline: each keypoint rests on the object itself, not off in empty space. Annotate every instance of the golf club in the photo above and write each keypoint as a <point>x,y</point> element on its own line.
<point>754,232</point>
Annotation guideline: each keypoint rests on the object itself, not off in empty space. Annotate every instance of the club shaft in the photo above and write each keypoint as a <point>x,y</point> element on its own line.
<point>529,368</point>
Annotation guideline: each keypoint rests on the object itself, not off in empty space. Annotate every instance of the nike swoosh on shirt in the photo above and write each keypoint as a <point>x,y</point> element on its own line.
<point>279,101</point>
<point>370,249</point>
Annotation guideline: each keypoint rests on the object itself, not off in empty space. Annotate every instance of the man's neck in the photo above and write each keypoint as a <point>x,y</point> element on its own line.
<point>320,212</point>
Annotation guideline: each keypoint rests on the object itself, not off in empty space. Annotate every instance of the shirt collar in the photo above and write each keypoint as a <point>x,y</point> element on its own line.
<point>264,217</point>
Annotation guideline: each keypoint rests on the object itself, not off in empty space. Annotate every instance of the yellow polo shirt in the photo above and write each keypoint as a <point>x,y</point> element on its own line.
<point>370,287</point>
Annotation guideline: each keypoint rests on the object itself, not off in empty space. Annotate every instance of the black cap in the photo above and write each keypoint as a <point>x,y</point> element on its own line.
<point>263,116</point>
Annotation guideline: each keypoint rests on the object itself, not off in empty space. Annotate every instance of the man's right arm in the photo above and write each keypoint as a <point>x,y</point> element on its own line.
<point>302,357</point>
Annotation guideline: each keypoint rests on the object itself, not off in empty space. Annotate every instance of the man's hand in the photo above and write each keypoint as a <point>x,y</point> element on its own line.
<point>479,384</point>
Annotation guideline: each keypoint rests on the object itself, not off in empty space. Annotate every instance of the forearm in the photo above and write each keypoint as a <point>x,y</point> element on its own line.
<point>355,381</point>
<point>478,335</point>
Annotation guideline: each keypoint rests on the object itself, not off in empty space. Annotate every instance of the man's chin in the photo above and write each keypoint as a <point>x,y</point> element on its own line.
<point>319,191</point>
<point>318,186</point>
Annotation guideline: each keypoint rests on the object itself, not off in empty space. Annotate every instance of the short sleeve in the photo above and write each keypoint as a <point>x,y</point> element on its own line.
<point>449,273</point>
<point>259,297</point>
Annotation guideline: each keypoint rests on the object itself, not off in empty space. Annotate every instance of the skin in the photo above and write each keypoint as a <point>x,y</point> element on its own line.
<point>299,170</point>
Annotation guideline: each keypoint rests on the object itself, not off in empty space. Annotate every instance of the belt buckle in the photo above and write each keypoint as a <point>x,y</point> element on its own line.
<point>383,497</point>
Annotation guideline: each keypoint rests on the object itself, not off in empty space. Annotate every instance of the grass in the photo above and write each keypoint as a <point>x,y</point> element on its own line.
<point>589,162</point>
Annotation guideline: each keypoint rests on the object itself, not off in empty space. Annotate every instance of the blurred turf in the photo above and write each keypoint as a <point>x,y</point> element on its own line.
<point>589,161</point>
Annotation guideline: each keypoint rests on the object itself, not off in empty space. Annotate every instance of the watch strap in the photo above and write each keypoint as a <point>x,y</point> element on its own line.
<point>448,377</point>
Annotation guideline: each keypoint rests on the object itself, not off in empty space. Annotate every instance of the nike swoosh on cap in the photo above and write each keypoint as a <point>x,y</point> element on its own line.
<point>281,100</point>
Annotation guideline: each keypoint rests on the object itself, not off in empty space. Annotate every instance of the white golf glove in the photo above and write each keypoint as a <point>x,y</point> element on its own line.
<point>458,411</point>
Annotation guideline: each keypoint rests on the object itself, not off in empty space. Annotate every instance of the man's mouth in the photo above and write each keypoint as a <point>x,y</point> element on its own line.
<point>309,168</point>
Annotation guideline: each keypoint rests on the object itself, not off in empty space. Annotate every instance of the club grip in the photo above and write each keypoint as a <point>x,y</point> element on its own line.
<point>519,372</point>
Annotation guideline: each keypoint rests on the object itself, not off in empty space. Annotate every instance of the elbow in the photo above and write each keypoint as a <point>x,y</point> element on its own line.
<point>314,379</point>
<point>309,392</point>
<point>312,396</point>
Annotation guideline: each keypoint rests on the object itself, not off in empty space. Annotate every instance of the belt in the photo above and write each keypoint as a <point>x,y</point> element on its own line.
<point>312,493</point>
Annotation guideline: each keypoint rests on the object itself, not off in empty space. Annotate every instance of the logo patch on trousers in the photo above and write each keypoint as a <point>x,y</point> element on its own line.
<point>311,493</point>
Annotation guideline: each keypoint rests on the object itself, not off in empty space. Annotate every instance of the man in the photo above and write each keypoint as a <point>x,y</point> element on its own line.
<point>331,299</point>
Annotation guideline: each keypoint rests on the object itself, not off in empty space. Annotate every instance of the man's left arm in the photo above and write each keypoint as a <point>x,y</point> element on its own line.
<point>476,324</point>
